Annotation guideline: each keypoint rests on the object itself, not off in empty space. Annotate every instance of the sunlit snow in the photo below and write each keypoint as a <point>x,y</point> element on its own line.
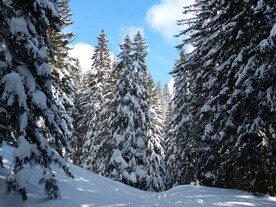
<point>91,190</point>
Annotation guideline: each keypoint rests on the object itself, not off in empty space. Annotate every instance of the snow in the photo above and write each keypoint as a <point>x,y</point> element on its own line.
<point>19,27</point>
<point>118,158</point>
<point>23,176</point>
<point>13,87</point>
<point>272,132</point>
<point>269,43</point>
<point>91,190</point>
<point>273,31</point>
<point>23,150</point>
<point>260,71</point>
<point>30,81</point>
<point>205,108</point>
<point>240,33</point>
<point>209,175</point>
<point>50,6</point>
<point>208,129</point>
<point>132,177</point>
<point>6,55</point>
<point>23,120</point>
<point>259,6</point>
<point>39,98</point>
<point>270,97</point>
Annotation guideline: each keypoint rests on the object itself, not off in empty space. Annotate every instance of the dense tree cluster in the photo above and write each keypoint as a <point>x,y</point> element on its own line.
<point>217,129</point>
<point>28,105</point>
<point>124,136</point>
<point>224,125</point>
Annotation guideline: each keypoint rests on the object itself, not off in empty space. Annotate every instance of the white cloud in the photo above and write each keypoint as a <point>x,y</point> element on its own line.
<point>131,31</point>
<point>83,52</point>
<point>170,85</point>
<point>163,17</point>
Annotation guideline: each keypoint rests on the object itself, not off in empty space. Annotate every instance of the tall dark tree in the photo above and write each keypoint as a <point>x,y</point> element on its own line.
<point>232,75</point>
<point>26,93</point>
<point>63,69</point>
<point>60,41</point>
<point>180,153</point>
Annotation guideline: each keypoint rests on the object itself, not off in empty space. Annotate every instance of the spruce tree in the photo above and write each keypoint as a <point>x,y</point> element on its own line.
<point>139,48</point>
<point>155,146</point>
<point>96,108</point>
<point>77,115</point>
<point>180,152</point>
<point>232,87</point>
<point>26,92</point>
<point>128,124</point>
<point>168,113</point>
<point>63,68</point>
<point>149,104</point>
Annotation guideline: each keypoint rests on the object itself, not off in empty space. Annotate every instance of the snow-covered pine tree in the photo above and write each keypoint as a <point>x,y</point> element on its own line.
<point>141,70</point>
<point>83,119</point>
<point>154,142</point>
<point>168,113</point>
<point>26,92</point>
<point>77,115</point>
<point>155,146</point>
<point>128,124</point>
<point>94,151</point>
<point>180,151</point>
<point>234,93</point>
<point>64,68</point>
<point>102,147</point>
<point>60,41</point>
<point>167,97</point>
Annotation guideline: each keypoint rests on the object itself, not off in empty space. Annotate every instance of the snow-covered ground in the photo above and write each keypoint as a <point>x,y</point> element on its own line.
<point>89,189</point>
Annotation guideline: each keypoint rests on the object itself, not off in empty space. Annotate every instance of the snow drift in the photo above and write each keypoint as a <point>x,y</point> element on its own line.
<point>91,190</point>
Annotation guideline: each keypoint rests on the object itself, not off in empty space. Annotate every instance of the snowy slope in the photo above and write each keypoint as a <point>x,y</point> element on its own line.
<point>89,189</point>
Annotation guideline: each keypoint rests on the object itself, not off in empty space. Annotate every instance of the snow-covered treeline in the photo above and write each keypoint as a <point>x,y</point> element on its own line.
<point>217,129</point>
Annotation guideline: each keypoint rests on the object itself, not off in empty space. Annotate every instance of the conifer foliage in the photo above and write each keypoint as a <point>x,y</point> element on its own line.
<point>129,122</point>
<point>178,139</point>
<point>64,68</point>
<point>26,93</point>
<point>228,118</point>
<point>96,108</point>
<point>155,147</point>
<point>219,129</point>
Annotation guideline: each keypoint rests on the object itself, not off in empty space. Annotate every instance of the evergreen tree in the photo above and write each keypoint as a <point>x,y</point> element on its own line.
<point>26,93</point>
<point>180,154</point>
<point>141,69</point>
<point>155,146</point>
<point>77,115</point>
<point>96,117</point>
<point>168,113</point>
<point>101,144</point>
<point>63,69</point>
<point>154,141</point>
<point>232,75</point>
<point>60,42</point>
<point>128,124</point>
<point>167,100</point>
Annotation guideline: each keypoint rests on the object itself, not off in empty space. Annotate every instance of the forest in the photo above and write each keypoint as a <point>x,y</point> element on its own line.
<point>217,128</point>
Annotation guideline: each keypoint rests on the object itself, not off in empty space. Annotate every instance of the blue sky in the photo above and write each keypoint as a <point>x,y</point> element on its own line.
<point>155,19</point>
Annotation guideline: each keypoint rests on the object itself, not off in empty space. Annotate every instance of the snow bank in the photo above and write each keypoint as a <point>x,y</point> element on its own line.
<point>91,190</point>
